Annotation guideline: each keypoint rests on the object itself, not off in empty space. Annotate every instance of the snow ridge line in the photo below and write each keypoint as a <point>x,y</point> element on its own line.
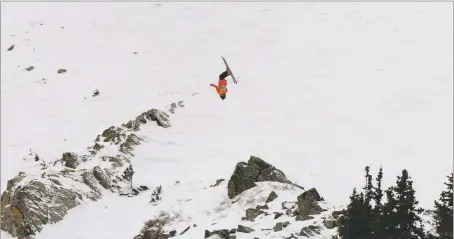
<point>34,199</point>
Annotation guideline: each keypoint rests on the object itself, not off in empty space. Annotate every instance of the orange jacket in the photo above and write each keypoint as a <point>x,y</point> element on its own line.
<point>222,87</point>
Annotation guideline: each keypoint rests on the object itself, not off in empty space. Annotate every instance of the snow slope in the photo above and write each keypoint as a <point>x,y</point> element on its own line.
<point>325,89</point>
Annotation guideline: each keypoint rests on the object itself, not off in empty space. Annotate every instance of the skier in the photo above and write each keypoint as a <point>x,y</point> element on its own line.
<point>221,88</point>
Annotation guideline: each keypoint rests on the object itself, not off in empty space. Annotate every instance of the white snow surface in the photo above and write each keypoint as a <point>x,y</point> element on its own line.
<point>324,90</point>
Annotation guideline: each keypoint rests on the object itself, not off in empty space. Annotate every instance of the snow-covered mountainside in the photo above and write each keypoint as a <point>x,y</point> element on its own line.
<point>324,90</point>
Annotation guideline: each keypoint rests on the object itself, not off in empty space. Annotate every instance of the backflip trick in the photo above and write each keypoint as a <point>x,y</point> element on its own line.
<point>221,87</point>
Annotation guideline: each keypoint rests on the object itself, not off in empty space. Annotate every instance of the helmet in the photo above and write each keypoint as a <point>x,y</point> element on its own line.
<point>222,96</point>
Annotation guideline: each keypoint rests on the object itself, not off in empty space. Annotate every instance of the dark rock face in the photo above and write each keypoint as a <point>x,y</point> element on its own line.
<point>252,213</point>
<point>255,170</point>
<point>271,197</point>
<point>278,227</point>
<point>61,71</point>
<point>102,177</point>
<point>244,229</point>
<point>158,116</point>
<point>330,224</point>
<point>307,203</point>
<point>26,209</point>
<point>32,201</point>
<point>223,233</point>
<point>70,160</point>
<point>309,231</point>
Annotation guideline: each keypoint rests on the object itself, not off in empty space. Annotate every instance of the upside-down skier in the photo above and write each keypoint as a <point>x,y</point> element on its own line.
<point>221,88</point>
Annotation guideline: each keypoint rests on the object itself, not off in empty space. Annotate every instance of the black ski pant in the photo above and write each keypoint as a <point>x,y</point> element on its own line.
<point>223,75</point>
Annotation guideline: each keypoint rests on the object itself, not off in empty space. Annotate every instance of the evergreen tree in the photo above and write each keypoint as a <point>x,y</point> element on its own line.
<point>444,212</point>
<point>369,187</point>
<point>128,173</point>
<point>378,227</point>
<point>378,193</point>
<point>351,224</point>
<point>357,221</point>
<point>400,211</point>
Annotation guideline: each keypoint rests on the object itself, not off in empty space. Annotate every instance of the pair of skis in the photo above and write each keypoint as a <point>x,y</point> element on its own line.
<point>230,71</point>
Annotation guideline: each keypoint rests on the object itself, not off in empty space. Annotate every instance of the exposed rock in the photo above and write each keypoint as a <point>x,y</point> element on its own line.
<point>301,217</point>
<point>102,177</point>
<point>277,215</point>
<point>185,230</point>
<point>232,231</point>
<point>70,160</point>
<point>30,68</point>
<point>285,224</point>
<point>330,224</point>
<point>307,203</point>
<point>90,180</point>
<point>11,48</point>
<point>95,149</point>
<point>262,207</point>
<point>153,229</point>
<point>218,181</point>
<point>271,197</point>
<point>143,188</point>
<point>160,117</point>
<point>244,229</point>
<point>61,71</point>
<point>255,170</point>
<point>223,233</point>
<point>172,108</point>
<point>336,214</point>
<point>128,145</point>
<point>252,213</point>
<point>117,162</point>
<point>113,134</point>
<point>95,93</point>
<point>278,227</point>
<point>27,206</point>
<point>309,231</point>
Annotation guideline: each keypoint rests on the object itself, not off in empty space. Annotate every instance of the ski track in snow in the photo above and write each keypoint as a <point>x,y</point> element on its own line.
<point>324,90</point>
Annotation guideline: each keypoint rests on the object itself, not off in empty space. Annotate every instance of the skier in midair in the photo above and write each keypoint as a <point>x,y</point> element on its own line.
<point>221,88</point>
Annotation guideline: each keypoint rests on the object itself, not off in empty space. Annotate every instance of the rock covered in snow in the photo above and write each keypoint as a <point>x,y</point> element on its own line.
<point>31,201</point>
<point>271,197</point>
<point>255,170</point>
<point>307,203</point>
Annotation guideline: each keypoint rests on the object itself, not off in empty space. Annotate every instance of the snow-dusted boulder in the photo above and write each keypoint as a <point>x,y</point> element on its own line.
<point>255,170</point>
<point>307,203</point>
<point>31,202</point>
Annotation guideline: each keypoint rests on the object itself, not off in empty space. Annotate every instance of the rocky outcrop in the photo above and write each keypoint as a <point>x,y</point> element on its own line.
<point>244,229</point>
<point>280,225</point>
<point>32,201</point>
<point>307,203</point>
<point>28,204</point>
<point>71,160</point>
<point>310,231</point>
<point>158,116</point>
<point>223,234</point>
<point>252,213</point>
<point>102,177</point>
<point>255,170</point>
<point>271,197</point>
<point>153,229</point>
